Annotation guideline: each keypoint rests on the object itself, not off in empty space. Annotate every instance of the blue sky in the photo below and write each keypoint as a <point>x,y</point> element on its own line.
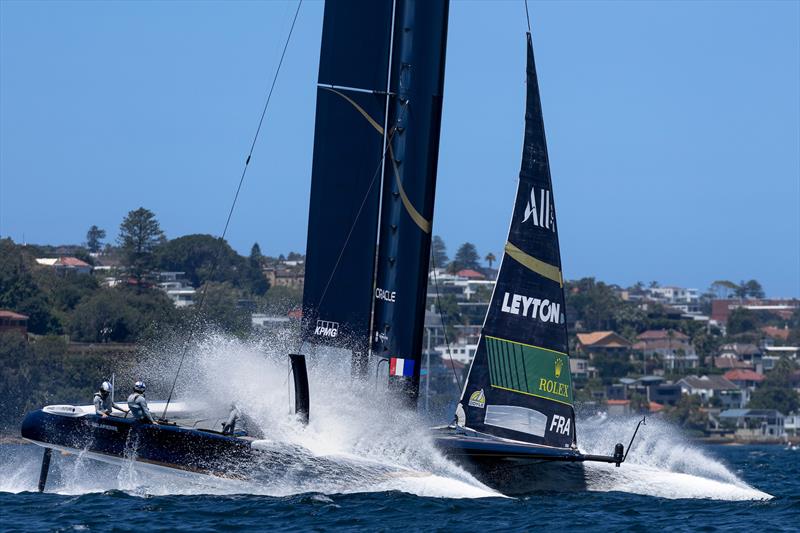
<point>673,128</point>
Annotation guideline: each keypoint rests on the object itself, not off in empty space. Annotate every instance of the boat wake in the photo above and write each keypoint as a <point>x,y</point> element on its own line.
<point>661,463</point>
<point>357,440</point>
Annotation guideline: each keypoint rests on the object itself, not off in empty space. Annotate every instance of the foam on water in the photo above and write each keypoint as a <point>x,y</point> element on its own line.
<point>661,463</point>
<point>358,440</point>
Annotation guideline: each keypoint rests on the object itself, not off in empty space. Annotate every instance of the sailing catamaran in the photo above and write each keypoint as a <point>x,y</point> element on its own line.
<point>376,140</point>
<point>379,103</point>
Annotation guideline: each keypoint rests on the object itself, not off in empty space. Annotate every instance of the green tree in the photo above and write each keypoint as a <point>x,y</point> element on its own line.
<point>610,367</point>
<point>777,391</point>
<point>723,288</point>
<point>753,289</point>
<point>221,308</point>
<point>447,306</point>
<point>19,291</point>
<point>203,258</point>
<point>687,414</point>
<point>743,320</point>
<point>120,315</point>
<point>438,253</point>
<point>256,280</point>
<point>466,257</point>
<point>280,300</point>
<point>490,258</point>
<point>139,235</point>
<point>93,239</point>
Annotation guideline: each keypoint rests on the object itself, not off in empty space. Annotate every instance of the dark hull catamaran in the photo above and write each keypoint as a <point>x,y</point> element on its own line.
<point>379,104</point>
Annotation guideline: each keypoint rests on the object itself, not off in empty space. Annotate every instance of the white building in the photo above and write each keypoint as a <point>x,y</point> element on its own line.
<point>460,352</point>
<point>687,300</point>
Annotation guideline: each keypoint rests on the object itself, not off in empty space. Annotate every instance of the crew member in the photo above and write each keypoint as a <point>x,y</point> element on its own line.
<point>230,426</point>
<point>138,404</point>
<point>103,404</point>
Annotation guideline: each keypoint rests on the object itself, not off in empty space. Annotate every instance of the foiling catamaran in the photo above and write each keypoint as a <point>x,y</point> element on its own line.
<point>376,141</point>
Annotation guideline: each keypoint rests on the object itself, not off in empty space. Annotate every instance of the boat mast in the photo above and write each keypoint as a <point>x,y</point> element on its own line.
<point>409,180</point>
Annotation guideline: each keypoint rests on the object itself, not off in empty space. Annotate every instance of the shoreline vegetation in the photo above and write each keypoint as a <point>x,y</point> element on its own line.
<point>96,308</point>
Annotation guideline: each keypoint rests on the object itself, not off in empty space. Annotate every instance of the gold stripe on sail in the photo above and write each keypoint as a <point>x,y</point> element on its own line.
<point>359,108</point>
<point>415,215</point>
<point>540,267</point>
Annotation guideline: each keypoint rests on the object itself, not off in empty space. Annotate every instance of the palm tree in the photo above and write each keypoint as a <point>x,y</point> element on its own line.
<point>490,258</point>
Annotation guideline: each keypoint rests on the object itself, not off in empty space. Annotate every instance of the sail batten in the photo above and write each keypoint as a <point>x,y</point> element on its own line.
<point>519,385</point>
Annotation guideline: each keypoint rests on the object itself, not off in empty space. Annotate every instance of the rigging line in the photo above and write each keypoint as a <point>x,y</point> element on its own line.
<point>444,330</point>
<point>214,265</point>
<point>527,16</point>
<point>361,208</point>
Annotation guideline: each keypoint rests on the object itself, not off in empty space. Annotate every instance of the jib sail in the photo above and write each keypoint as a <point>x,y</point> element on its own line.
<point>417,84</point>
<point>346,178</point>
<point>519,385</point>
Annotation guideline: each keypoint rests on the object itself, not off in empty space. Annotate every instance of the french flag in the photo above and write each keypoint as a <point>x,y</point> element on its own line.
<point>401,367</point>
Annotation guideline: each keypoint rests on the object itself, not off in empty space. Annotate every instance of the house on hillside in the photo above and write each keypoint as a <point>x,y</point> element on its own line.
<point>65,265</point>
<point>285,278</point>
<point>602,343</point>
<point>671,347</point>
<point>684,300</point>
<point>707,387</point>
<point>11,321</point>
<point>783,308</point>
<point>746,380</point>
<point>470,274</point>
<point>581,371</point>
<point>775,333</point>
<point>755,424</point>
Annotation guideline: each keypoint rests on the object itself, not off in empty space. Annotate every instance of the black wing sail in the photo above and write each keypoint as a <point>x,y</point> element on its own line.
<point>417,85</point>
<point>346,180</point>
<point>519,384</point>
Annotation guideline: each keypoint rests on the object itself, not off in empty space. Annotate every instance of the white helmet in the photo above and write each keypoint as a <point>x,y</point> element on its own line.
<point>139,386</point>
<point>105,387</point>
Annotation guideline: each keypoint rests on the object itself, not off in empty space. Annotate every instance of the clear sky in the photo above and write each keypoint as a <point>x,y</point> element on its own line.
<point>673,128</point>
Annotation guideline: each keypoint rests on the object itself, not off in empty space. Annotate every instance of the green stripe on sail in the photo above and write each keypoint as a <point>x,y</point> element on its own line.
<point>529,369</point>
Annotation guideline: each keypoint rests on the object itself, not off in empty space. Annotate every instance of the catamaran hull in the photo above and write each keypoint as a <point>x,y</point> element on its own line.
<point>114,440</point>
<point>514,468</point>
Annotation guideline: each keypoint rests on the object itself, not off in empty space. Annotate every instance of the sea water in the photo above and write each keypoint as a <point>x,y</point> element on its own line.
<point>371,466</point>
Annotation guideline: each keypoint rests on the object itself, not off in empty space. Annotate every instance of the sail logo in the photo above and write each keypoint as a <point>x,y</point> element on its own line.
<point>554,387</point>
<point>326,328</point>
<point>477,399</point>
<point>385,295</point>
<point>542,214</point>
<point>543,310</point>
<point>559,366</point>
<point>560,424</point>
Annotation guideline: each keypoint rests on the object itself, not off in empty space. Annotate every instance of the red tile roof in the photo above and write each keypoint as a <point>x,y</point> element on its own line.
<point>655,407</point>
<point>603,339</point>
<point>654,334</point>
<point>11,314</point>
<point>741,374</point>
<point>618,402</point>
<point>73,262</point>
<point>776,333</point>
<point>471,274</point>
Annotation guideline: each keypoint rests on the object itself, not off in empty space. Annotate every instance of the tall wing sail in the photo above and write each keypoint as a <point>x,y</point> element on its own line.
<point>417,85</point>
<point>346,180</point>
<point>519,384</point>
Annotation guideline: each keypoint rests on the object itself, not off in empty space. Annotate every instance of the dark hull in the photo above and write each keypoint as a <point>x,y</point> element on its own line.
<point>513,468</point>
<point>170,446</point>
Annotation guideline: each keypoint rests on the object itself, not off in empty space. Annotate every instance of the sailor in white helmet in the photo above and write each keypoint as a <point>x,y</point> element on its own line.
<point>138,404</point>
<point>103,404</point>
